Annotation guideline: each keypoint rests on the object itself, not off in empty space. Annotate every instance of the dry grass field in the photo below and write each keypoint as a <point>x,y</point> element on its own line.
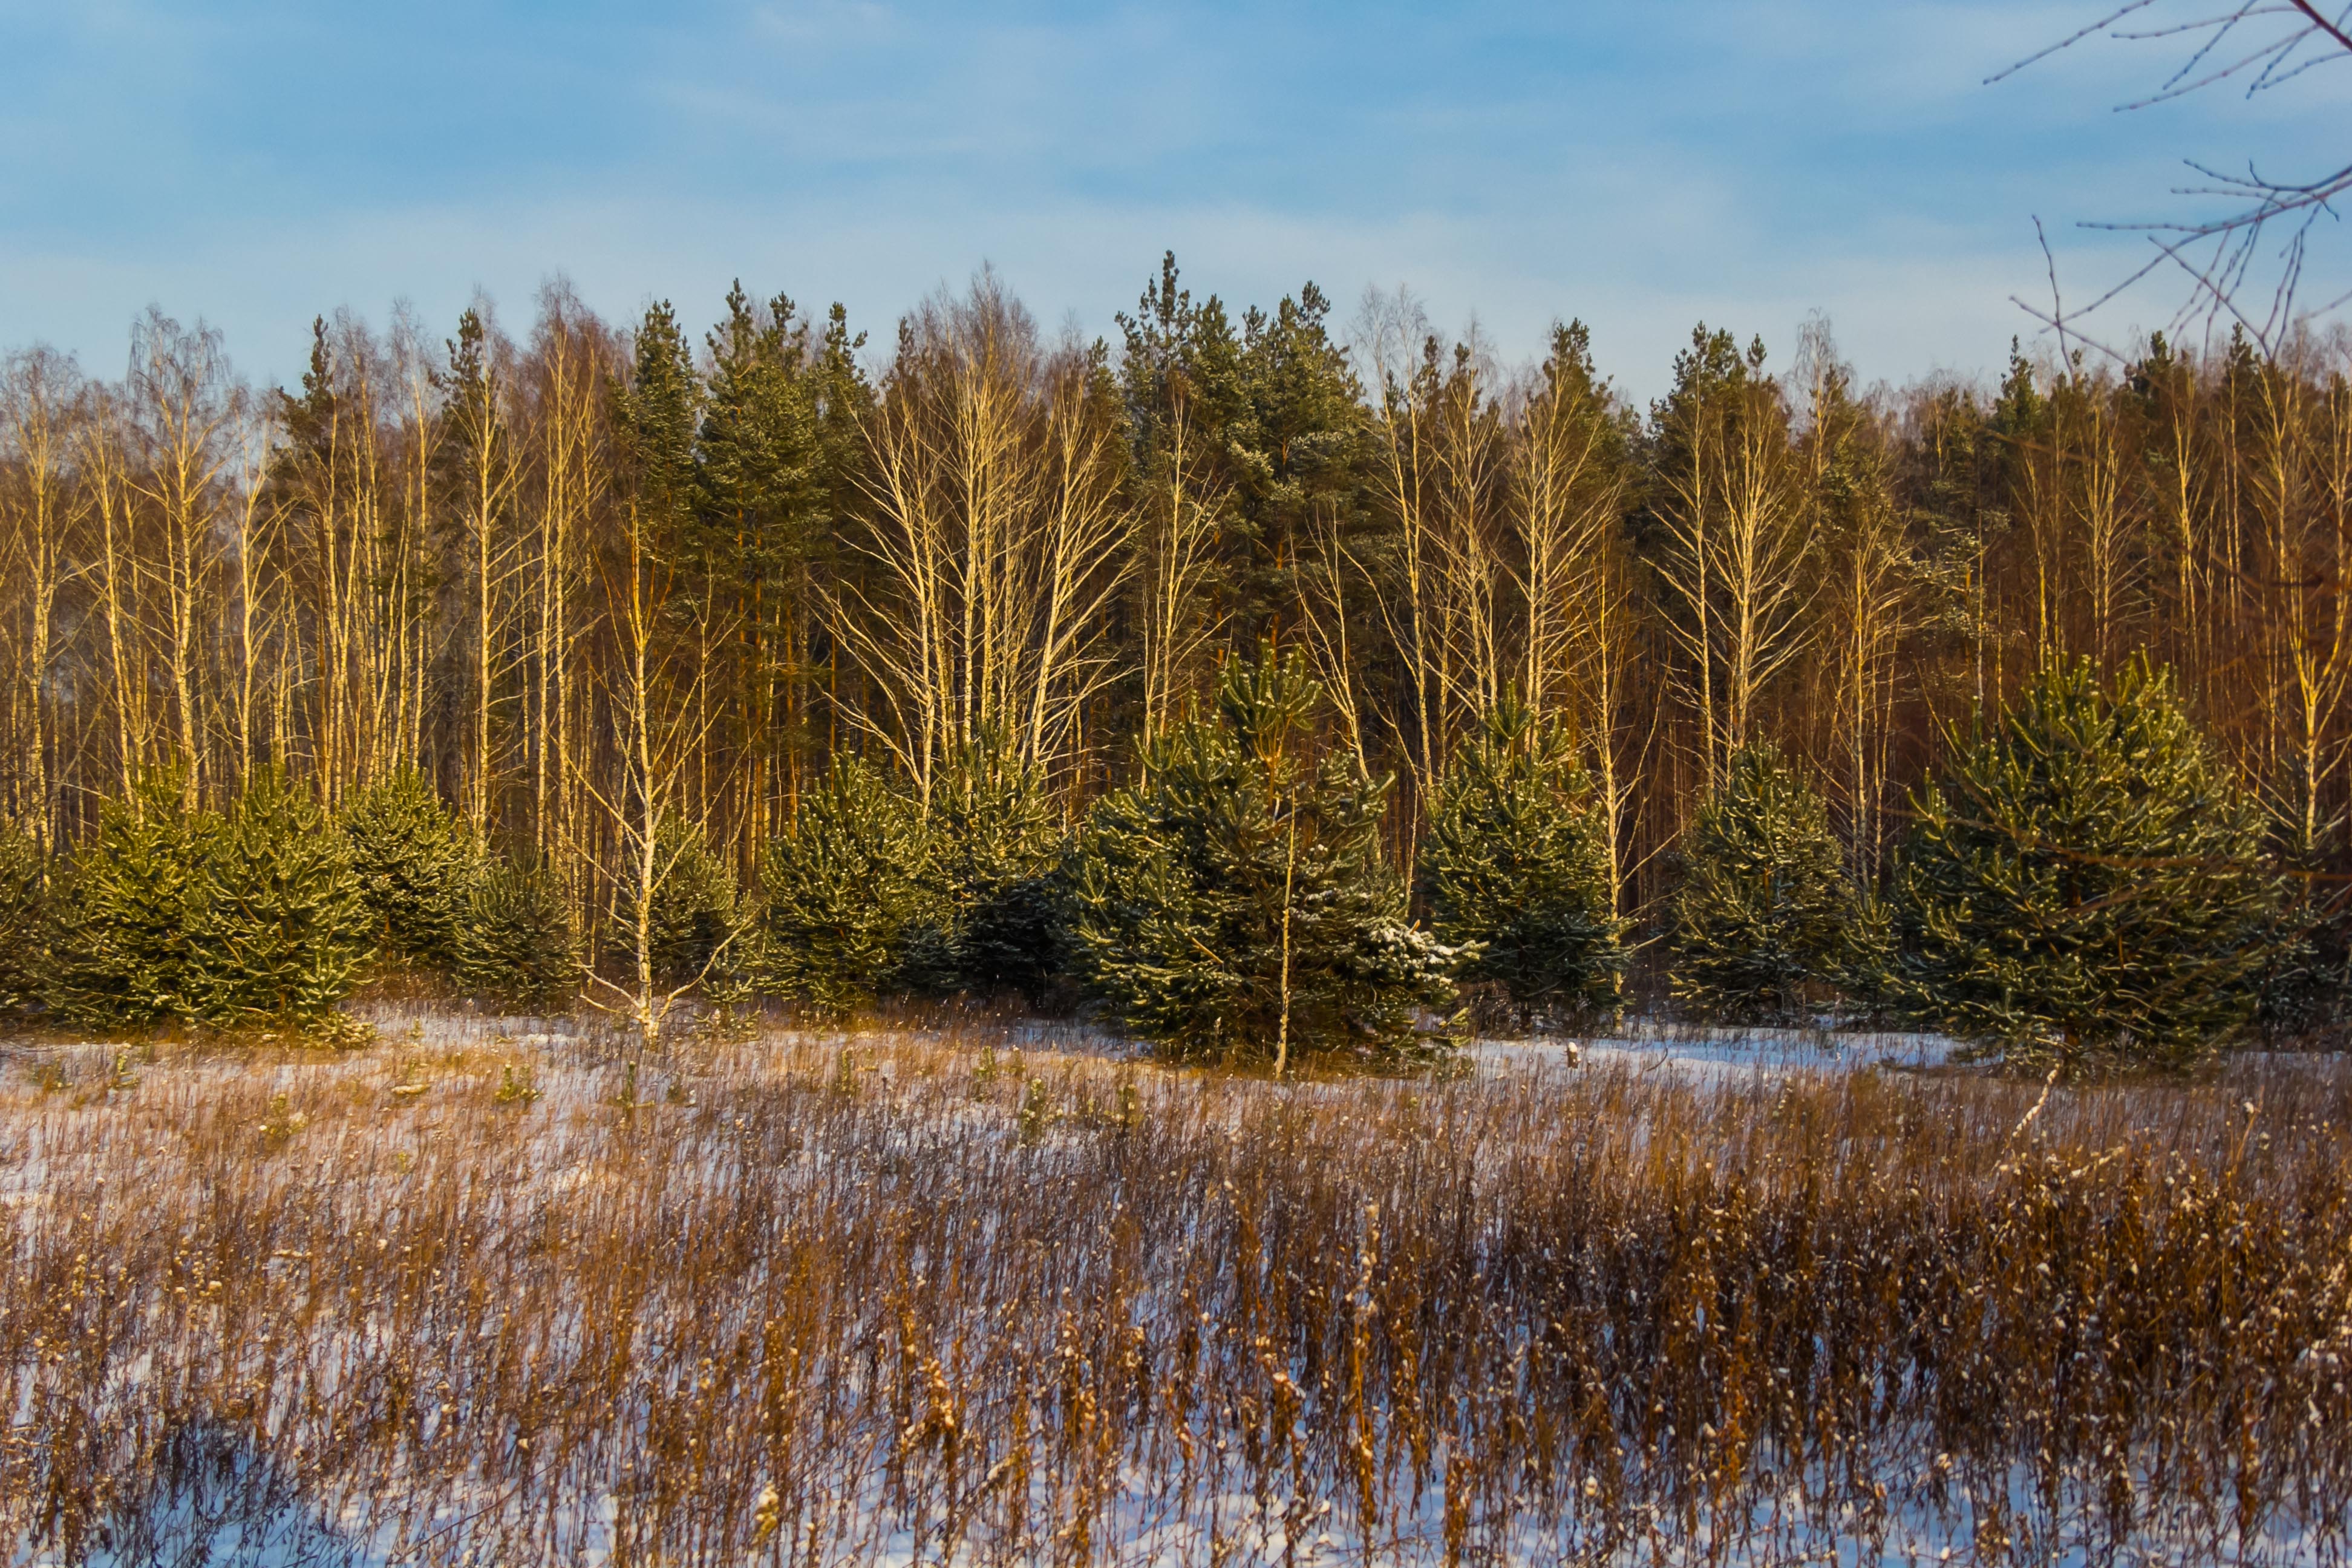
<point>477,1294</point>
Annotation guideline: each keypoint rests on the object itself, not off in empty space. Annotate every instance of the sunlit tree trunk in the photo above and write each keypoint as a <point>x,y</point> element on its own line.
<point>1180,528</point>
<point>183,406</point>
<point>1402,352</point>
<point>997,545</point>
<point>116,589</point>
<point>38,413</point>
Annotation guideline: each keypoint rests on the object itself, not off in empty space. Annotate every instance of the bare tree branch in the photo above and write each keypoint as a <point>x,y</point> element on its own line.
<point>2268,44</point>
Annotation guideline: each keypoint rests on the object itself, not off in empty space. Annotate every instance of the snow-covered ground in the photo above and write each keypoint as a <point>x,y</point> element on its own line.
<point>238,1507</point>
<point>1697,1053</point>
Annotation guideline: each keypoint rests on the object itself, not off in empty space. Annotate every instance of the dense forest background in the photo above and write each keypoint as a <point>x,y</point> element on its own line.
<point>595,569</point>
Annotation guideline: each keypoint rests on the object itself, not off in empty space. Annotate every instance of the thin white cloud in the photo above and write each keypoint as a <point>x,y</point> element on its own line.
<point>1089,259</point>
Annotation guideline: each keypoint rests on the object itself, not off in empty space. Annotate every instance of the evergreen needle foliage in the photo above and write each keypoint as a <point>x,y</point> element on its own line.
<point>996,845</point>
<point>517,943</point>
<point>284,928</point>
<point>842,891</point>
<point>120,942</point>
<point>1515,870</point>
<point>2085,885</point>
<point>2307,993</point>
<point>180,914</point>
<point>1234,901</point>
<point>418,862</point>
<point>1759,920</point>
<point>696,909</point>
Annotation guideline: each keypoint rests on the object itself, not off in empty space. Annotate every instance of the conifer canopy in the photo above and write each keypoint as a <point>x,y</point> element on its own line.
<point>1515,870</point>
<point>2085,884</point>
<point>284,930</point>
<point>995,844</point>
<point>416,861</point>
<point>518,944</point>
<point>1234,901</point>
<point>840,892</point>
<point>132,898</point>
<point>24,910</point>
<point>695,908</point>
<point>1761,916</point>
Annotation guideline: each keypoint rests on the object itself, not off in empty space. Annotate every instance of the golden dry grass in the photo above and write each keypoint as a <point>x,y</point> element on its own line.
<point>921,1297</point>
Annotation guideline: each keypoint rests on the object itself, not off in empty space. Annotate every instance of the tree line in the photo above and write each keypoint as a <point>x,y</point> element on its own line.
<point>620,600</point>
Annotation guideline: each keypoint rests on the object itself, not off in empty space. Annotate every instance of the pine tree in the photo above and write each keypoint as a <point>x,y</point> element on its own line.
<point>655,416</point>
<point>1233,902</point>
<point>1299,452</point>
<point>995,849</point>
<point>842,893</point>
<point>416,860</point>
<point>1515,870</point>
<point>284,930</point>
<point>24,908</point>
<point>844,405</point>
<point>758,491</point>
<point>2085,885</point>
<point>121,938</point>
<point>759,510</point>
<point>1760,918</point>
<point>517,943</point>
<point>474,476</point>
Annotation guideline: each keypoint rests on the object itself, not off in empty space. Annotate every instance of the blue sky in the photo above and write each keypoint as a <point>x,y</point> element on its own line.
<point>1639,165</point>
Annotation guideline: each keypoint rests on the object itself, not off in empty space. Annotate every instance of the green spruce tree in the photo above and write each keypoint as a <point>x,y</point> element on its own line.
<point>2086,886</point>
<point>1515,870</point>
<point>416,860</point>
<point>518,944</point>
<point>2305,992</point>
<point>1299,452</point>
<point>1761,920</point>
<point>284,930</point>
<point>1233,902</point>
<point>696,912</point>
<point>842,891</point>
<point>121,937</point>
<point>996,846</point>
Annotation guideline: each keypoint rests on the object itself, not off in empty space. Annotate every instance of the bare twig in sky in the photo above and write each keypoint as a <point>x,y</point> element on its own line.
<point>2245,261</point>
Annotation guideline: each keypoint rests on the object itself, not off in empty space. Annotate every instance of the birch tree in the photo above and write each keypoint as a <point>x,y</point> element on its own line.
<point>40,394</point>
<point>997,542</point>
